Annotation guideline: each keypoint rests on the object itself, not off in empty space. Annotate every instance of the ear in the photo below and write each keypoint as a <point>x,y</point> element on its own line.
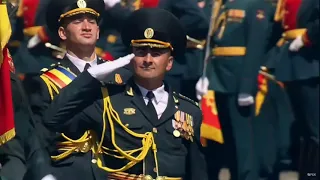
<point>98,33</point>
<point>62,33</point>
<point>170,63</point>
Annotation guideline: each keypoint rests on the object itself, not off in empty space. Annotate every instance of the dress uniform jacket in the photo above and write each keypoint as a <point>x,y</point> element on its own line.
<point>241,37</point>
<point>244,24</point>
<point>83,97</point>
<point>301,19</point>
<point>40,99</point>
<point>196,25</point>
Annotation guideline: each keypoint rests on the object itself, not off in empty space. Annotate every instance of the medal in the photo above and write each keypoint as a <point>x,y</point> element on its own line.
<point>176,133</point>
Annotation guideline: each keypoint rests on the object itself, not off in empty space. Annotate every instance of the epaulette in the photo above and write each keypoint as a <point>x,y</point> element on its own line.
<point>52,66</point>
<point>187,99</point>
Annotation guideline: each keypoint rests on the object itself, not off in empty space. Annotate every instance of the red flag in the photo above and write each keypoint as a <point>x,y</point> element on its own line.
<point>7,130</point>
<point>210,128</point>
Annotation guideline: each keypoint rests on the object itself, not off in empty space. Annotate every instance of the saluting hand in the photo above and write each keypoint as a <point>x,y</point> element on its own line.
<point>101,71</point>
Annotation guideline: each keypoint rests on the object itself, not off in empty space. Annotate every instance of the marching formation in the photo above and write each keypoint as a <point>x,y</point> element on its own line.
<point>159,89</point>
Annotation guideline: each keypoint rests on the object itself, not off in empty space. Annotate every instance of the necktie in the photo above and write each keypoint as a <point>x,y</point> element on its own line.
<point>150,106</point>
<point>86,66</point>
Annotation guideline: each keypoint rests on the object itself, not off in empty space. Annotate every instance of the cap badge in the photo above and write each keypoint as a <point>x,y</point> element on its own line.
<point>81,4</point>
<point>148,33</point>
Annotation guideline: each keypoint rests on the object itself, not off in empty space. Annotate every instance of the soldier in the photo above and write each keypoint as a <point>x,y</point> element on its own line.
<point>242,35</point>
<point>144,112</point>
<point>297,65</point>
<point>76,23</point>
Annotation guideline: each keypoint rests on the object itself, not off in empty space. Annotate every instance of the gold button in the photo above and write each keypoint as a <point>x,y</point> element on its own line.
<point>127,125</point>
<point>154,169</point>
<point>154,130</point>
<point>93,161</point>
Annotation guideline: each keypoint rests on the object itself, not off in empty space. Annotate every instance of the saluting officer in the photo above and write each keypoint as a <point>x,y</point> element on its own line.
<point>76,22</point>
<point>145,130</point>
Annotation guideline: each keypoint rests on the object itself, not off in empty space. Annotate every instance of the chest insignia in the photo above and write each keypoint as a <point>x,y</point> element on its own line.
<point>129,111</point>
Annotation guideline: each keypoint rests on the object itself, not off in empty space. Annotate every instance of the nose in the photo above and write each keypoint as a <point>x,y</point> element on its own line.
<point>148,58</point>
<point>86,25</point>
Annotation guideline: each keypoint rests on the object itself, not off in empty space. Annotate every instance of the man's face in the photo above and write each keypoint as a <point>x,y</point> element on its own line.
<point>80,30</point>
<point>151,63</point>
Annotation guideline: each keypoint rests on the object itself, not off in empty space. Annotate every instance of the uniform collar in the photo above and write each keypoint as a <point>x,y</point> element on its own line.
<point>79,63</point>
<point>133,89</point>
<point>158,93</point>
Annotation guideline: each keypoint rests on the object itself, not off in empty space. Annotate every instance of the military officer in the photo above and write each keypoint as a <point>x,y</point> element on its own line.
<point>144,112</point>
<point>297,65</point>
<point>76,23</point>
<point>241,37</point>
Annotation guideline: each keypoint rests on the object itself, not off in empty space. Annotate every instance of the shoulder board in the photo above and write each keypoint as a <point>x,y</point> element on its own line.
<point>59,75</point>
<point>187,99</point>
<point>52,66</point>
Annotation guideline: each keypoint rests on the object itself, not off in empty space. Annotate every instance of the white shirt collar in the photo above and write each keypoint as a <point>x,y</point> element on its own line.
<point>79,63</point>
<point>158,93</point>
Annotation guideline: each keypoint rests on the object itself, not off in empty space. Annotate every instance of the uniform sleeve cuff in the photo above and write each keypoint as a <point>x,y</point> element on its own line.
<point>306,39</point>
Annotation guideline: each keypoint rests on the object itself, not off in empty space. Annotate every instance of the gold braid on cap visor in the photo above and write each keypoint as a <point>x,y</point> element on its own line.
<point>151,42</point>
<point>78,11</point>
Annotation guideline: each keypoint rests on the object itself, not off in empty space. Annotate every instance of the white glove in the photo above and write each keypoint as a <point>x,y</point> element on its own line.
<point>202,87</point>
<point>101,71</point>
<point>111,3</point>
<point>49,177</point>
<point>35,40</point>
<point>245,99</point>
<point>296,44</point>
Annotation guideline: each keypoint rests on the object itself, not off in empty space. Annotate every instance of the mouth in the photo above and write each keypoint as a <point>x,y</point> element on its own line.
<point>146,68</point>
<point>86,35</point>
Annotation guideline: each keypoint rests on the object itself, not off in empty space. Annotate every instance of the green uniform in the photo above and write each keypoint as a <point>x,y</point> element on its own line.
<point>242,37</point>
<point>40,98</point>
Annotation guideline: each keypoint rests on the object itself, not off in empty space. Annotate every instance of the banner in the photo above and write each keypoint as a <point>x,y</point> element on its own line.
<point>210,128</point>
<point>7,130</point>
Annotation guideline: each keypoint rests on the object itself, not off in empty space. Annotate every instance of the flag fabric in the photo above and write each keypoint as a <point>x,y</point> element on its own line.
<point>7,128</point>
<point>261,94</point>
<point>210,127</point>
